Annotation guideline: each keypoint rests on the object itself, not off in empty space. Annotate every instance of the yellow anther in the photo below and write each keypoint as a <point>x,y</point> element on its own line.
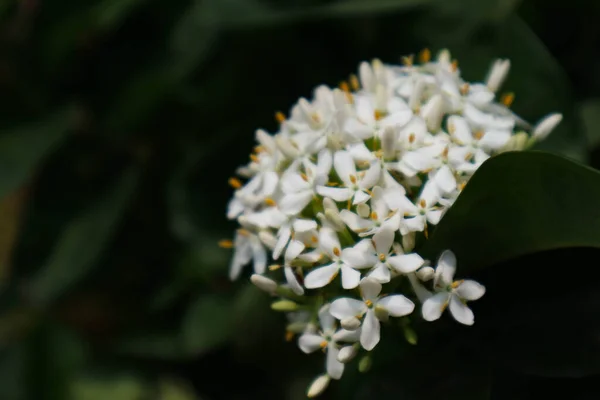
<point>243,232</point>
<point>225,244</point>
<point>456,284</point>
<point>315,117</point>
<point>270,202</point>
<point>374,216</point>
<point>454,65</point>
<point>344,86</point>
<point>280,117</point>
<point>254,158</point>
<point>379,115</point>
<point>349,205</point>
<point>478,135</point>
<point>336,251</point>
<point>462,185</point>
<point>353,179</point>
<point>259,149</point>
<point>408,60</point>
<point>507,99</point>
<point>422,203</point>
<point>444,306</point>
<point>369,303</point>
<point>235,183</point>
<point>332,184</point>
<point>425,56</point>
<point>304,176</point>
<point>411,138</point>
<point>289,336</point>
<point>445,152</point>
<point>323,344</point>
<point>468,156</point>
<point>274,267</point>
<point>314,239</point>
<point>451,128</point>
<point>354,84</point>
<point>464,89</point>
<point>381,257</point>
<point>368,191</point>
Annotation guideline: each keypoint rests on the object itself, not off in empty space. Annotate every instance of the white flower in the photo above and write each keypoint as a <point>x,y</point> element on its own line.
<point>416,216</point>
<point>497,74</point>
<point>328,340</point>
<point>376,113</point>
<point>355,184</point>
<point>380,217</point>
<point>293,251</point>
<point>247,247</point>
<point>452,293</point>
<point>395,306</point>
<point>385,260</point>
<point>346,261</point>
<point>546,125</point>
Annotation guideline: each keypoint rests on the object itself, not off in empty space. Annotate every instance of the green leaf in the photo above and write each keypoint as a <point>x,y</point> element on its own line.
<point>123,387</point>
<point>207,324</point>
<point>83,241</point>
<point>589,113</point>
<point>164,346</point>
<point>23,148</point>
<point>520,203</point>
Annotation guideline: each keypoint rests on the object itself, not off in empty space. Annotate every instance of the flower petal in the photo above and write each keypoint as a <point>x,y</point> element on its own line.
<point>291,279</point>
<point>293,250</point>
<point>334,368</point>
<point>283,237</point>
<point>370,289</point>
<point>444,178</point>
<point>350,277</point>
<point>446,268</point>
<point>369,336</point>
<point>337,194</point>
<point>344,335</point>
<point>495,139</point>
<point>346,307</point>
<point>360,197</point>
<point>470,290</point>
<point>383,240</point>
<point>397,305</point>
<point>324,162</point>
<point>328,240</point>
<point>326,320</point>
<point>304,225</point>
<point>294,203</point>
<point>259,254</point>
<point>309,342</point>
<point>354,222</point>
<point>371,177</point>
<point>434,306</point>
<point>381,273</point>
<point>406,263</point>
<point>321,276</point>
<point>345,167</point>
<point>461,312</point>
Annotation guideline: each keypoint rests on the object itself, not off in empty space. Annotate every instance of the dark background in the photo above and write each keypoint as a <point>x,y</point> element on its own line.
<point>120,123</point>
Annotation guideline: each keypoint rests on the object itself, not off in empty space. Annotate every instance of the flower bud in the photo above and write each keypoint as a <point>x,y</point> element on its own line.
<point>264,283</point>
<point>363,210</point>
<point>350,323</point>
<point>433,112</point>
<point>334,218</point>
<point>296,327</point>
<point>408,241</point>
<point>410,335</point>
<point>364,365</point>
<point>318,386</point>
<point>546,126</point>
<point>284,305</point>
<point>516,142</point>
<point>497,74</point>
<point>425,274</point>
<point>347,354</point>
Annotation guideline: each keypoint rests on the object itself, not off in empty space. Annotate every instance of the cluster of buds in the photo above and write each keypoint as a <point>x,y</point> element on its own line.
<point>335,204</point>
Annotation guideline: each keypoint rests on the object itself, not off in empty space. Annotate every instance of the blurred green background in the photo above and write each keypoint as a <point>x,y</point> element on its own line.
<point>120,122</point>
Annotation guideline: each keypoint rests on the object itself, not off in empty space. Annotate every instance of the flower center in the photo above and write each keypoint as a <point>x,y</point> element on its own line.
<point>369,303</point>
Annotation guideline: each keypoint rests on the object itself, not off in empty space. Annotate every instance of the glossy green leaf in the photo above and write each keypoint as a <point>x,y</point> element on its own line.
<point>207,324</point>
<point>79,247</point>
<point>589,113</point>
<point>520,203</point>
<point>23,148</point>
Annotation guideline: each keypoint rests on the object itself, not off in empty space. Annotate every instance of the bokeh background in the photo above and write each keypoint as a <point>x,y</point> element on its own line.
<point>120,122</point>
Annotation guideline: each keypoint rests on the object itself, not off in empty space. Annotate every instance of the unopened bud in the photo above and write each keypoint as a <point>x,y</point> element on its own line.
<point>334,218</point>
<point>425,274</point>
<point>410,335</point>
<point>546,126</point>
<point>347,354</point>
<point>268,239</point>
<point>363,210</point>
<point>516,142</point>
<point>408,241</point>
<point>284,305</point>
<point>350,323</point>
<point>497,75</point>
<point>364,365</point>
<point>318,386</point>
<point>433,112</point>
<point>264,283</point>
<point>296,327</point>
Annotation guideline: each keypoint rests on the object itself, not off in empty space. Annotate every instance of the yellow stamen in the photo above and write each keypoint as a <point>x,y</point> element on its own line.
<point>381,257</point>
<point>323,344</point>
<point>280,117</point>
<point>411,138</point>
<point>369,303</point>
<point>379,115</point>
<point>235,183</point>
<point>445,152</point>
<point>225,244</point>
<point>354,83</point>
<point>314,239</point>
<point>315,117</point>
<point>344,86</point>
<point>368,191</point>
<point>454,65</point>
<point>444,306</point>
<point>243,232</point>
<point>451,128</point>
<point>462,185</point>
<point>289,336</point>
<point>349,205</point>
<point>353,179</point>
<point>425,56</point>
<point>304,176</point>
<point>464,89</point>
<point>332,184</point>
<point>259,149</point>
<point>456,284</point>
<point>270,202</point>
<point>274,267</point>
<point>254,158</point>
<point>374,215</point>
<point>478,135</point>
<point>408,60</point>
<point>468,156</point>
<point>422,203</point>
<point>507,99</point>
<point>336,251</point>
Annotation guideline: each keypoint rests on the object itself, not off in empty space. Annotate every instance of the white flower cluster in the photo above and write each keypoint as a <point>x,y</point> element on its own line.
<point>353,179</point>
